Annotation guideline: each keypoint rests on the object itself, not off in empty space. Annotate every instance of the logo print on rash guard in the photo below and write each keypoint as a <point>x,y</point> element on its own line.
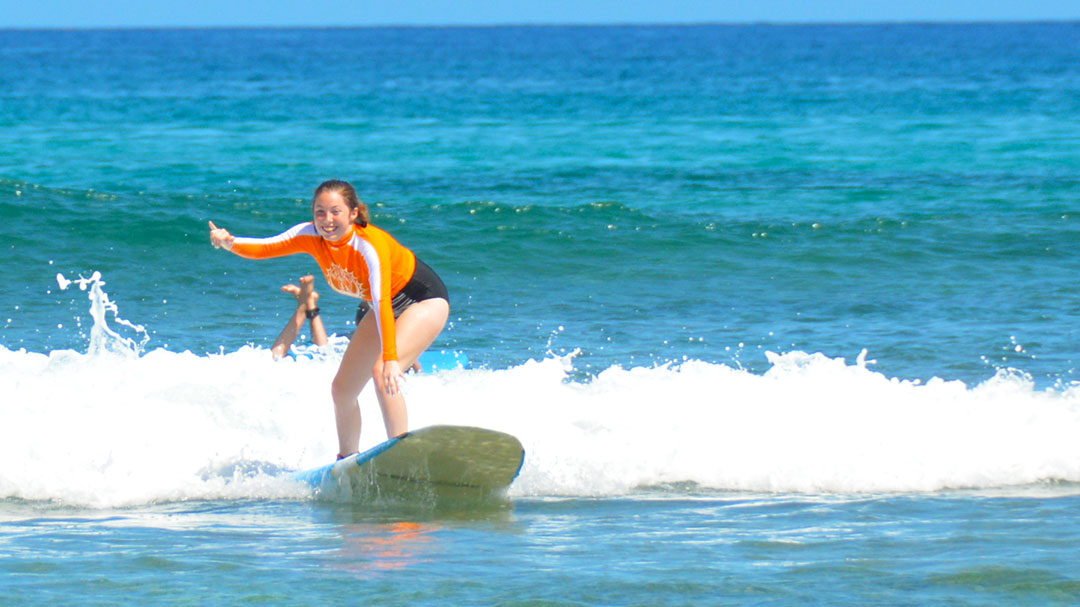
<point>345,282</point>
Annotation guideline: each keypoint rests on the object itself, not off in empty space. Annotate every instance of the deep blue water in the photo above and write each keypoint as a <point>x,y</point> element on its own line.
<point>673,201</point>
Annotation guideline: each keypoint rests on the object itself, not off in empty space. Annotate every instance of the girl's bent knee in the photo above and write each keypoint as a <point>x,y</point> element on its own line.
<point>342,393</point>
<point>379,383</point>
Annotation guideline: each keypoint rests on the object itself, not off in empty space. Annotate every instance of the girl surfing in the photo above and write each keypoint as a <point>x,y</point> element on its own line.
<point>409,303</point>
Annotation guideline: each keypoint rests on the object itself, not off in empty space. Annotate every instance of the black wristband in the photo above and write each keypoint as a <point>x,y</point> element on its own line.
<point>312,313</point>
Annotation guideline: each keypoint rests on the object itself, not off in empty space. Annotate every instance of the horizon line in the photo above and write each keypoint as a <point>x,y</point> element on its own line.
<point>763,22</point>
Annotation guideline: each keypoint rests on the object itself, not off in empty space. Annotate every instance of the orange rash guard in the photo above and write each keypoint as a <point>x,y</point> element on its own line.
<point>368,264</point>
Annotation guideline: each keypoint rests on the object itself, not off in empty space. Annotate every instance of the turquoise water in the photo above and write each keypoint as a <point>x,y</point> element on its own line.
<point>710,551</point>
<point>782,315</point>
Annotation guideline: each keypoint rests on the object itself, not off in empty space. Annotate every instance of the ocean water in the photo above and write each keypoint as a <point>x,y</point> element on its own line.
<point>783,315</point>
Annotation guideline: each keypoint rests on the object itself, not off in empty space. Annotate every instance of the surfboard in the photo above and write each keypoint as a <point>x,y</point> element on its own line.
<point>430,465</point>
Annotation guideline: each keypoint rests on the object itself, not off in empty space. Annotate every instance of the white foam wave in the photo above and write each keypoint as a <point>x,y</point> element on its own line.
<point>108,430</point>
<point>809,424</point>
<point>116,426</point>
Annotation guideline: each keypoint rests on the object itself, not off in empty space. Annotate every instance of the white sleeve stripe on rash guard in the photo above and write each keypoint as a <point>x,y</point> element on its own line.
<point>301,229</point>
<point>371,257</point>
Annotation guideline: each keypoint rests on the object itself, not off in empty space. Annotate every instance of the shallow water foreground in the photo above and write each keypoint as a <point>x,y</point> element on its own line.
<point>649,549</point>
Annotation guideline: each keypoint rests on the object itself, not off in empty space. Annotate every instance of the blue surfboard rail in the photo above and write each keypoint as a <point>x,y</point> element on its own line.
<point>317,477</point>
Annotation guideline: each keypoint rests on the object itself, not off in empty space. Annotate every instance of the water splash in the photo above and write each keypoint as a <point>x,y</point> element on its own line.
<point>102,338</point>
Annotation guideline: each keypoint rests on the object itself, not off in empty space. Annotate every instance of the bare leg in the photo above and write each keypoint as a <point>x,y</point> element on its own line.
<point>291,331</point>
<point>310,298</point>
<point>306,299</point>
<point>417,328</point>
<point>416,367</point>
<point>353,374</point>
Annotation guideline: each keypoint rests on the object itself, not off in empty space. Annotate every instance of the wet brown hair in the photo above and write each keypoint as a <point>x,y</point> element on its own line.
<point>348,194</point>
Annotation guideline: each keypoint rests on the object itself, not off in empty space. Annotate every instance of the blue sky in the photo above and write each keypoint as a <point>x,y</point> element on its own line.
<point>192,13</point>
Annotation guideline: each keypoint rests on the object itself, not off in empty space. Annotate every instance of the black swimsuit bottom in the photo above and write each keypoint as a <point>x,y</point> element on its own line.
<point>424,284</point>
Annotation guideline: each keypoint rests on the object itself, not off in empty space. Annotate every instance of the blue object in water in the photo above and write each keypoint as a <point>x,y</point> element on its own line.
<point>441,360</point>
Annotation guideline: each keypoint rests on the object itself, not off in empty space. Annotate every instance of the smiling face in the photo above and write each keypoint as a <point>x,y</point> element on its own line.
<point>333,217</point>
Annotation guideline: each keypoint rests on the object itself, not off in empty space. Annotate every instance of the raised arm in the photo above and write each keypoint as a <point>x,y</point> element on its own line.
<point>301,238</point>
